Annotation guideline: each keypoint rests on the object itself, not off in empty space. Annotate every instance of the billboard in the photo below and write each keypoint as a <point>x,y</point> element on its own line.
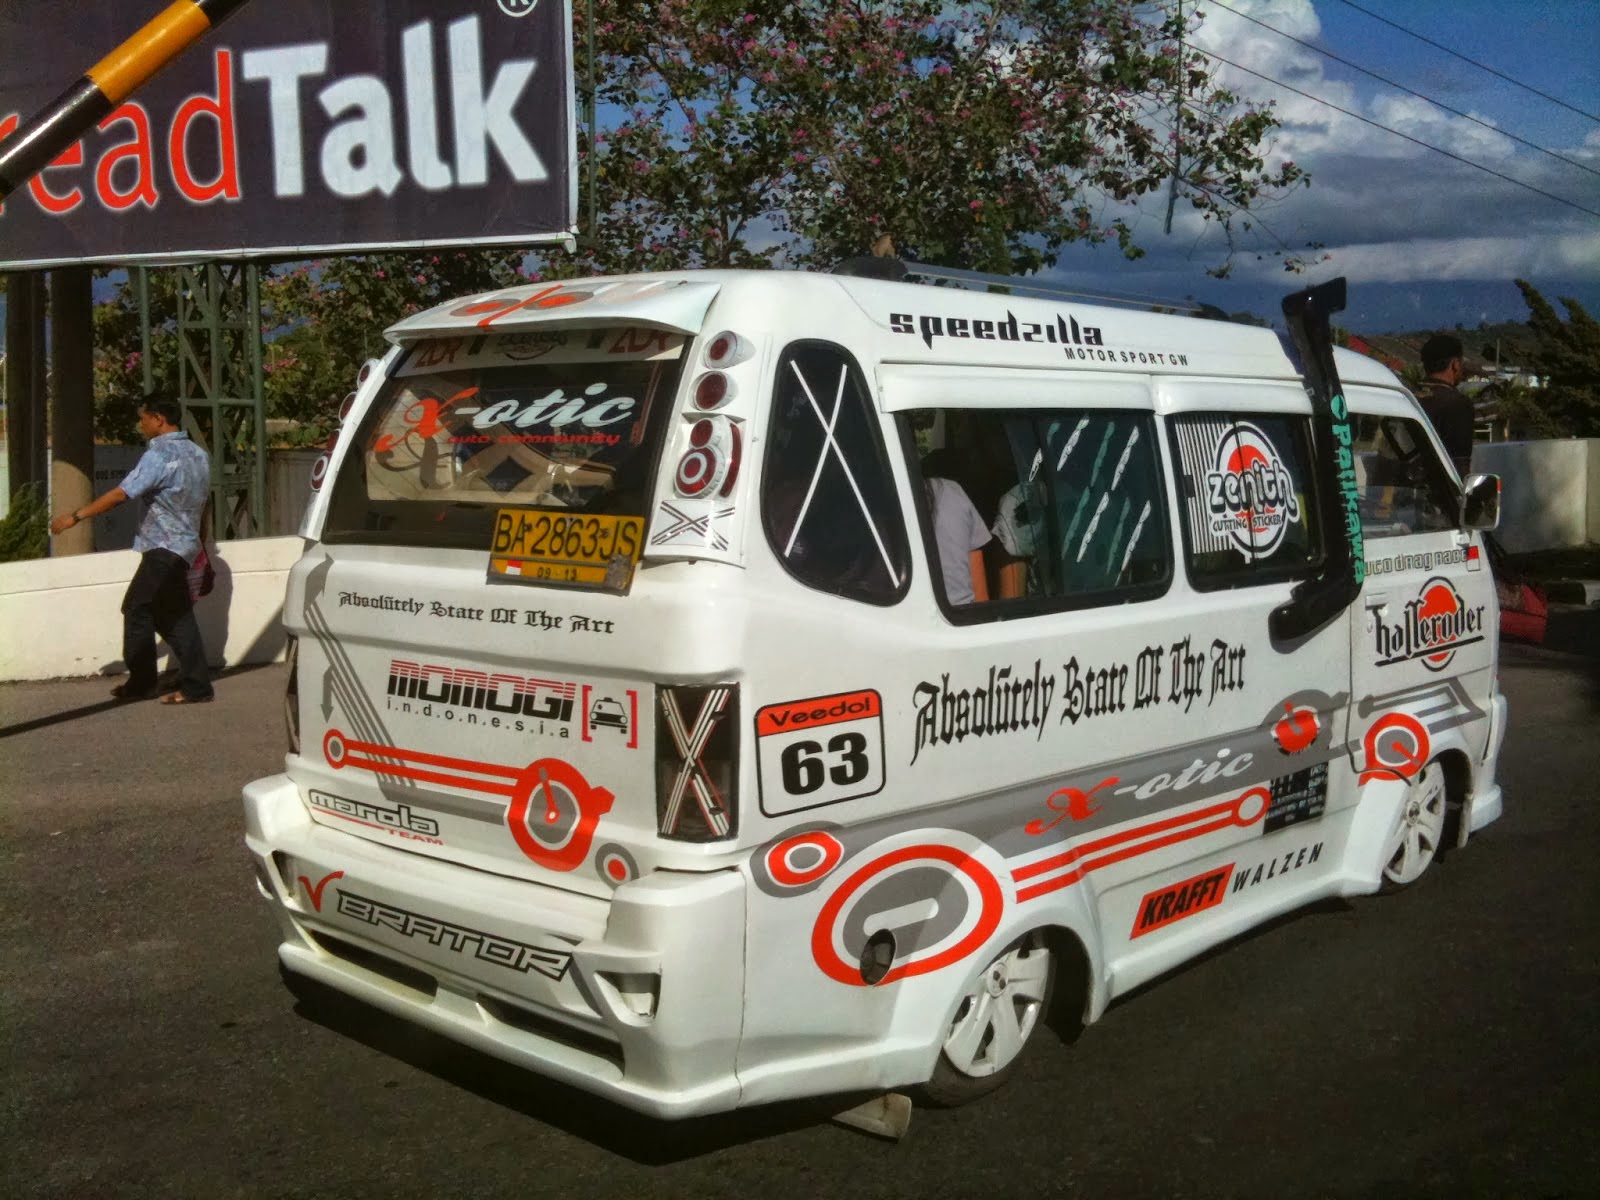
<point>299,127</point>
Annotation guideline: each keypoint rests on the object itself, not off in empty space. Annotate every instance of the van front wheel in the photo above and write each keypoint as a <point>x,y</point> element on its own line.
<point>999,1010</point>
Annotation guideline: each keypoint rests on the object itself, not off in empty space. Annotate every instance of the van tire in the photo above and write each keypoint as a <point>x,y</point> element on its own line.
<point>1002,1006</point>
<point>1424,814</point>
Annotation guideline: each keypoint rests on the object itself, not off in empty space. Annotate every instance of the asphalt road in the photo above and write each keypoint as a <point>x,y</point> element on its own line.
<point>1442,1041</point>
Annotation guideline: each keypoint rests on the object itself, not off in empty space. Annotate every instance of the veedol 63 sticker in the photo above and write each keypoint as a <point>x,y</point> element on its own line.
<point>1250,496</point>
<point>819,751</point>
<point>938,901</point>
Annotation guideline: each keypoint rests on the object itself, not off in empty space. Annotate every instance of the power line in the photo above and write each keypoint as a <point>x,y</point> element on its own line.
<point>1473,61</point>
<point>1415,141</point>
<point>1411,91</point>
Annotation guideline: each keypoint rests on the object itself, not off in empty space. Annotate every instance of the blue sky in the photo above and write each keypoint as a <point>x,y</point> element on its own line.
<point>1424,241</point>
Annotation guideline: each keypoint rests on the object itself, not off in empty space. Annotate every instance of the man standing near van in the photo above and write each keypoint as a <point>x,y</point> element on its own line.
<point>1449,410</point>
<point>173,478</point>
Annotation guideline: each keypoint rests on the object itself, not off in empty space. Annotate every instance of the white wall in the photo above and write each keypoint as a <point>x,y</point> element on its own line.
<point>63,616</point>
<point>1550,491</point>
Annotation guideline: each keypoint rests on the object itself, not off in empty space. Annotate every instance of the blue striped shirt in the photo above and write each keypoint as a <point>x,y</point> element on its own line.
<point>173,478</point>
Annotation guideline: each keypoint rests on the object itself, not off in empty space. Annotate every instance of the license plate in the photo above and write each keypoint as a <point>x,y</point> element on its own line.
<point>574,549</point>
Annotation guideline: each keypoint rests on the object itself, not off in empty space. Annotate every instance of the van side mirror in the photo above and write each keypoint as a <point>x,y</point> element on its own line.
<point>1480,502</point>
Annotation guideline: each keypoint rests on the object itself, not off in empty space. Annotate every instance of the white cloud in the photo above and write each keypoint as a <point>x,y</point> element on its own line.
<point>1573,256</point>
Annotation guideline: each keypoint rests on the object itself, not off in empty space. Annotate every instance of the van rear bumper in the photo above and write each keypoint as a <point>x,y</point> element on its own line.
<point>636,998</point>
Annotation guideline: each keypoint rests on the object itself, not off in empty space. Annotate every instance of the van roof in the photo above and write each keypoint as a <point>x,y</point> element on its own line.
<point>933,324</point>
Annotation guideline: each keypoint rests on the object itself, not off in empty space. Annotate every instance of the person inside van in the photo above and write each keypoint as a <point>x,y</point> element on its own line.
<point>958,531</point>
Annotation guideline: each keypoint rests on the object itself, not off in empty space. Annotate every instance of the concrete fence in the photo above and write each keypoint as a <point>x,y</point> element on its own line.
<point>1550,492</point>
<point>63,616</point>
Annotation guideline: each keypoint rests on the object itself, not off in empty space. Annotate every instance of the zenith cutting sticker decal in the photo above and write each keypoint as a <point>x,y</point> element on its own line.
<point>1250,495</point>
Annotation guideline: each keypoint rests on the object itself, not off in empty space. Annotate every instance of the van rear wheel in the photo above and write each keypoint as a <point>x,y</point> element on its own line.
<point>1002,1006</point>
<point>1422,818</point>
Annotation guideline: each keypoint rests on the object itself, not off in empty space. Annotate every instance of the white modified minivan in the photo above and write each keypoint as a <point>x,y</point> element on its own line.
<point>712,688</point>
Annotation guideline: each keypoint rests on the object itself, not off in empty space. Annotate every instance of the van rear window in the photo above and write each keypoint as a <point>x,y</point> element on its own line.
<point>568,421</point>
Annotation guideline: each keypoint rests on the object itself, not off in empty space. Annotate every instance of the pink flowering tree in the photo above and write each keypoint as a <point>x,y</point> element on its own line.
<point>985,136</point>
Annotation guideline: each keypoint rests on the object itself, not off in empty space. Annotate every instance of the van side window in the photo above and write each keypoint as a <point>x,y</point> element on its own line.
<point>1248,498</point>
<point>1404,488</point>
<point>828,501</point>
<point>1071,504</point>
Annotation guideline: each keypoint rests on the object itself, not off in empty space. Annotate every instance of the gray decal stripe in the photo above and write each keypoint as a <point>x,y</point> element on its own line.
<point>348,690</point>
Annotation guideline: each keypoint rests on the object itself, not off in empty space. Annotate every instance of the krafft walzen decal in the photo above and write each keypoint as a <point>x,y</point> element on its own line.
<point>1431,628</point>
<point>1179,900</point>
<point>819,751</point>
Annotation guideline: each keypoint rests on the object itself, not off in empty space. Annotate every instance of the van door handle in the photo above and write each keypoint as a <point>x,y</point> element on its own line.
<point>1377,601</point>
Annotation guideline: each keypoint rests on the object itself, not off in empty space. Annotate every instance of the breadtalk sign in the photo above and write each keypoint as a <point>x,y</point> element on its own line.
<point>300,127</point>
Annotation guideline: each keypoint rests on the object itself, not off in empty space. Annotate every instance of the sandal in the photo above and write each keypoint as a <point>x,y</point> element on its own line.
<point>126,694</point>
<point>180,698</point>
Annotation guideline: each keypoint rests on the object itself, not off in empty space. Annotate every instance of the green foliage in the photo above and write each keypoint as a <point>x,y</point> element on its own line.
<point>985,136</point>
<point>25,529</point>
<point>1566,357</point>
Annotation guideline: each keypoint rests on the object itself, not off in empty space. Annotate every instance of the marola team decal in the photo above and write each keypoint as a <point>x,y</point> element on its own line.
<point>1431,628</point>
<point>1250,495</point>
<point>552,810</point>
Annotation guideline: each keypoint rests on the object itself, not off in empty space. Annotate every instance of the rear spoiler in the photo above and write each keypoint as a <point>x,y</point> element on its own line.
<point>1335,587</point>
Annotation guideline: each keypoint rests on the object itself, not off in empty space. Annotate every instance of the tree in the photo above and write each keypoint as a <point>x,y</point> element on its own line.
<point>1566,357</point>
<point>986,136</point>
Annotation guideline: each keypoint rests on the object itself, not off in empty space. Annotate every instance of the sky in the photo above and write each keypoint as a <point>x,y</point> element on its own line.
<point>1424,241</point>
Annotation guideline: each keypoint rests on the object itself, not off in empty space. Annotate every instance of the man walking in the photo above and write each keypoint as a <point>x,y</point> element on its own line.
<point>1449,411</point>
<point>173,478</point>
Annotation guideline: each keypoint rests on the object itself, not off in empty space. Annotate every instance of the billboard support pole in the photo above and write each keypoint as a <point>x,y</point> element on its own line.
<point>220,387</point>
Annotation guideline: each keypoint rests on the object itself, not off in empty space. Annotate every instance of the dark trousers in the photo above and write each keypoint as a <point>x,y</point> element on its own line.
<point>157,601</point>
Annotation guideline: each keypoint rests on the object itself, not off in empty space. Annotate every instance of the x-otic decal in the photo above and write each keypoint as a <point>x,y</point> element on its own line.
<point>692,776</point>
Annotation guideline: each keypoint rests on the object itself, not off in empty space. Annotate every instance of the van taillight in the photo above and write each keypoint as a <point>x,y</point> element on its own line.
<point>697,762</point>
<point>291,695</point>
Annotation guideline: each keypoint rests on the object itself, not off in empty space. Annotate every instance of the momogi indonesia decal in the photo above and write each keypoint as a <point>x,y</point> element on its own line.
<point>549,961</point>
<point>824,750</point>
<point>515,703</point>
<point>1250,495</point>
<point>1431,628</point>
